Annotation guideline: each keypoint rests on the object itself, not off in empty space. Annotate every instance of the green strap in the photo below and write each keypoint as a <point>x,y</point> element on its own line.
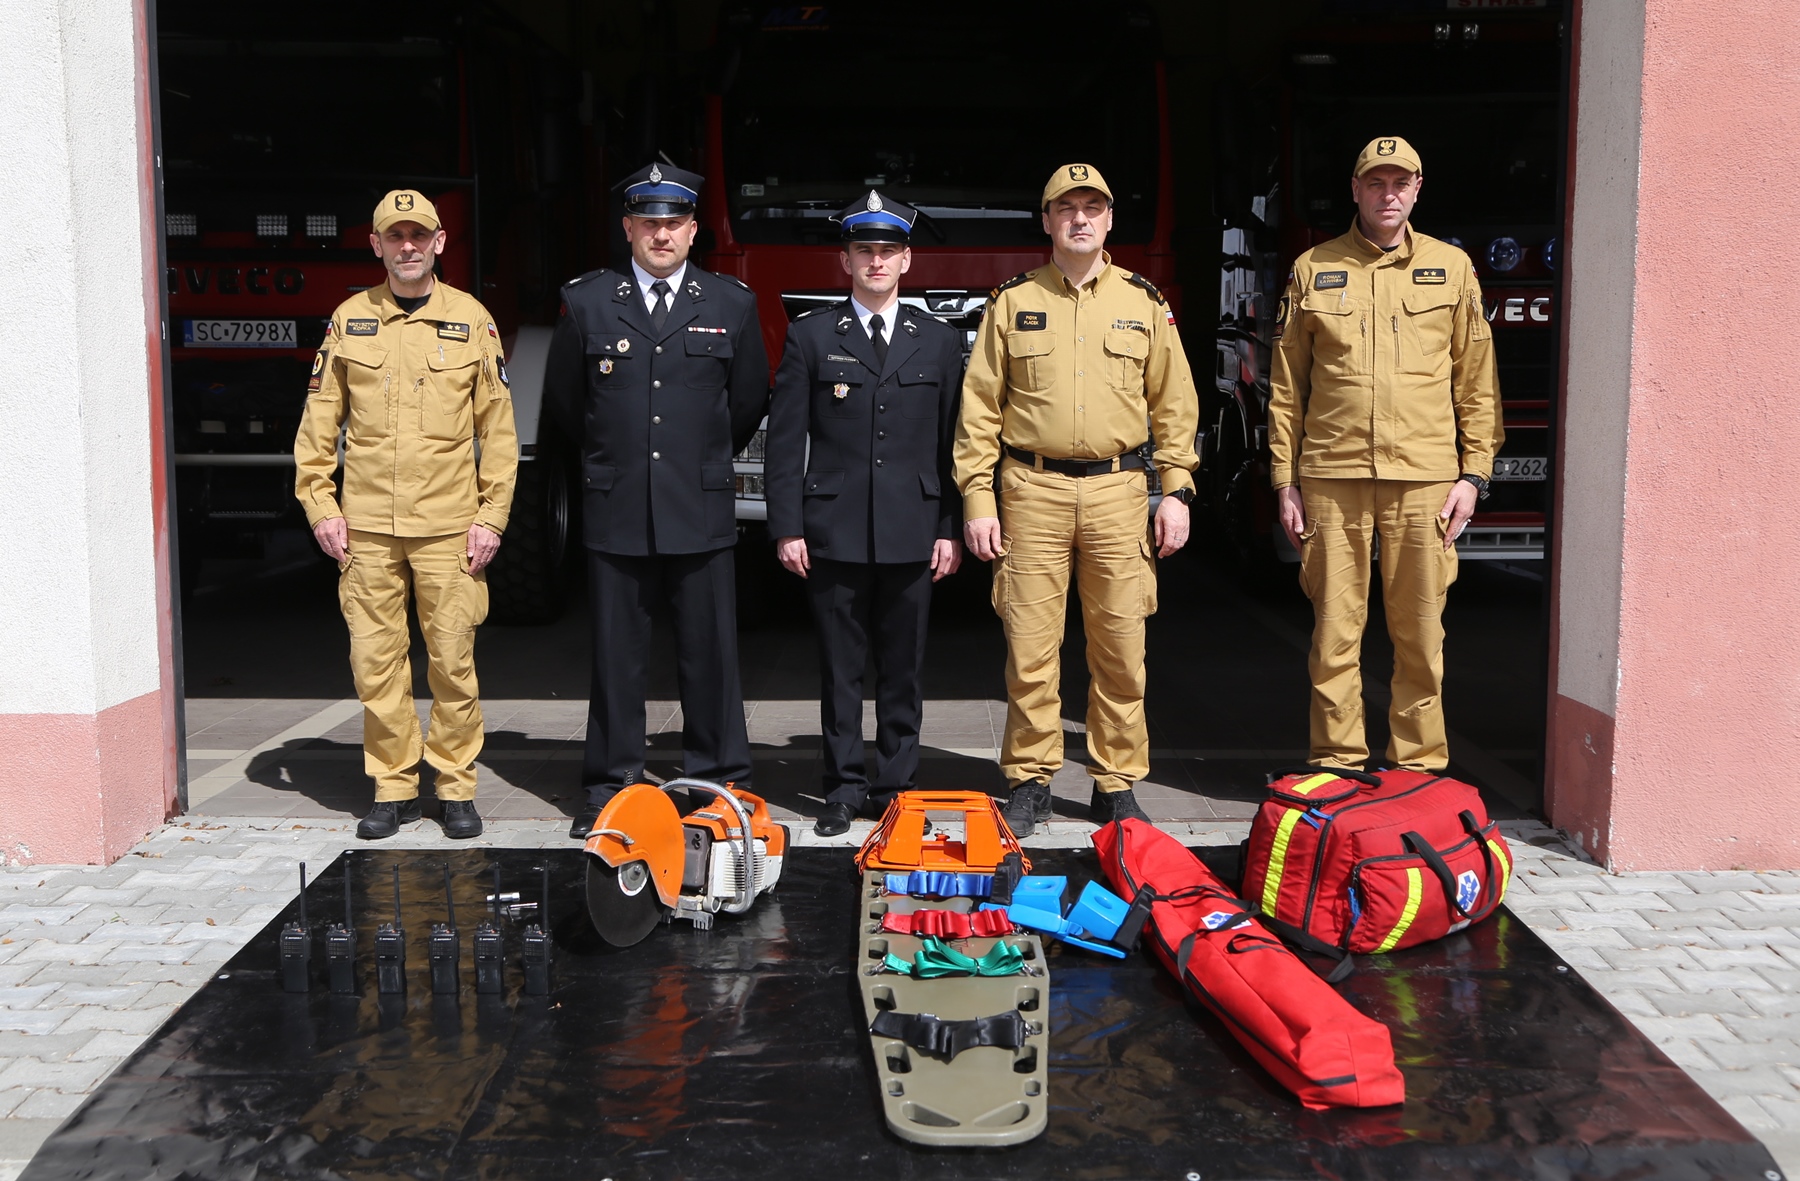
<point>937,958</point>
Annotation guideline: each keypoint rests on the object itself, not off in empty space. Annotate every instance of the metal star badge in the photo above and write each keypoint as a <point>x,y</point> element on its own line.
<point>606,364</point>
<point>841,390</point>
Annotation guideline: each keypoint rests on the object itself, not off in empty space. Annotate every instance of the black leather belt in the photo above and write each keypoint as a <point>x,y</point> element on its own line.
<point>1131,461</point>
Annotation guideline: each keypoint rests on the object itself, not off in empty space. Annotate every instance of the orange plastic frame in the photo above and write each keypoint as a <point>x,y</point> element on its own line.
<point>898,842</point>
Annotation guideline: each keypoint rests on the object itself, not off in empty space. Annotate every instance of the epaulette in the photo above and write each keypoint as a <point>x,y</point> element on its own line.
<point>731,279</point>
<point>1147,285</point>
<point>586,277</point>
<point>824,307</point>
<point>1017,279</point>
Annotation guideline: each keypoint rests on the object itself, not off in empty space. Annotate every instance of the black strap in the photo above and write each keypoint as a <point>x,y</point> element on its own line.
<point>1342,964</point>
<point>1362,777</point>
<point>946,1039</point>
<point>1129,462</point>
<point>1434,861</point>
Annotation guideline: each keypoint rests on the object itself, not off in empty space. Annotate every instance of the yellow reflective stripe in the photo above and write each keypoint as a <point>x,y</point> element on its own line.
<point>1277,859</point>
<point>1505,867</point>
<point>1311,784</point>
<point>1415,890</point>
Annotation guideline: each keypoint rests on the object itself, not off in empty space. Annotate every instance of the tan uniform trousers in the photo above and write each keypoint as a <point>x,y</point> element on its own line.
<point>1343,519</point>
<point>372,589</point>
<point>1099,526</point>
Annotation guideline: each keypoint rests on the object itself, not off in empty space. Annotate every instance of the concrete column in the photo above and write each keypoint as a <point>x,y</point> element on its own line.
<point>87,708</point>
<point>1675,703</point>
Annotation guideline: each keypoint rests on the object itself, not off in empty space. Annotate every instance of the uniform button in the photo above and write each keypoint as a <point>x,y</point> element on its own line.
<point>1081,340</point>
<point>656,385</point>
<point>656,420</point>
<point>659,350</point>
<point>881,434</point>
<point>1081,373</point>
<point>1083,409</point>
<point>656,455</point>
<point>881,409</point>
<point>880,462</point>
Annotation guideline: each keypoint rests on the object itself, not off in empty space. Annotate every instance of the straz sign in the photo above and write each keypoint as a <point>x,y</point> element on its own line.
<point>236,280</point>
<point>1517,309</point>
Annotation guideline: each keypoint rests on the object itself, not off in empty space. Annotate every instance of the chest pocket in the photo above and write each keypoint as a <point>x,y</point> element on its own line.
<point>835,376</point>
<point>919,390</point>
<point>447,410</point>
<point>368,386</point>
<point>1126,354</point>
<point>1031,361</point>
<point>1425,327</point>
<point>1340,333</point>
<point>608,368</point>
<point>702,373</point>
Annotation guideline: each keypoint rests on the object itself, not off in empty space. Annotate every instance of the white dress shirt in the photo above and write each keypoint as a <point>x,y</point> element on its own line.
<point>887,318</point>
<point>645,278</point>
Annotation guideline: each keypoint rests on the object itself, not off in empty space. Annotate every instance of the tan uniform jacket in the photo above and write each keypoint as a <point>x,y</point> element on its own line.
<point>1383,366</point>
<point>414,393</point>
<point>1070,374</point>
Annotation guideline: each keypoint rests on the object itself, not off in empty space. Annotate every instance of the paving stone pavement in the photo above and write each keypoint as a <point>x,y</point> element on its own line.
<point>95,958</point>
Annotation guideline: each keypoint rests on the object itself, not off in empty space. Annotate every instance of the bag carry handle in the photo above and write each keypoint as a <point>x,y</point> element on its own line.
<point>1362,777</point>
<point>1342,962</point>
<point>1434,861</point>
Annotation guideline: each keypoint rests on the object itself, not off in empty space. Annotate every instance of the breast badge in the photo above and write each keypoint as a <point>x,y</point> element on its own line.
<point>624,345</point>
<point>606,364</point>
<point>841,390</point>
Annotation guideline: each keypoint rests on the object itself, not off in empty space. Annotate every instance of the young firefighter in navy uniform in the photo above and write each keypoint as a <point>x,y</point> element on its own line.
<point>662,376</point>
<point>870,520</point>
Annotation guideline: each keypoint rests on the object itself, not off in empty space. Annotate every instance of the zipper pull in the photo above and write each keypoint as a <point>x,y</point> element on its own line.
<point>440,354</point>
<point>1396,323</point>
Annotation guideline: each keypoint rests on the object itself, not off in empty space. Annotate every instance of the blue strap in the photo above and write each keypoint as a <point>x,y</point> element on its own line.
<point>938,883</point>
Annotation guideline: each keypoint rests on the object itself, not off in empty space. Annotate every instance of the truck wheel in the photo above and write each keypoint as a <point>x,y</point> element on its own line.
<point>528,581</point>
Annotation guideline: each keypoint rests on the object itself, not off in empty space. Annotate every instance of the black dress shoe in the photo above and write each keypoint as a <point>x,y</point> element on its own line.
<point>1027,807</point>
<point>1104,807</point>
<point>385,819</point>
<point>459,818</point>
<point>584,822</point>
<point>834,820</point>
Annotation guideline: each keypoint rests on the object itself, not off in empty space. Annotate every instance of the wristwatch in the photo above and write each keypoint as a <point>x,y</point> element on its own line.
<point>1480,482</point>
<point>1184,495</point>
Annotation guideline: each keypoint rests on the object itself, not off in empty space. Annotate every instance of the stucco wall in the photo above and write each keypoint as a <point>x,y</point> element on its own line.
<point>84,651</point>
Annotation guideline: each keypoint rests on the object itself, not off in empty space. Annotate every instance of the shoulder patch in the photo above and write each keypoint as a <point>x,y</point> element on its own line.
<point>1017,279</point>
<point>1147,285</point>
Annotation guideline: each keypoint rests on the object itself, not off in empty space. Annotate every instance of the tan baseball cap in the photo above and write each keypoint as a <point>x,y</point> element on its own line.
<point>1388,149</point>
<point>1073,176</point>
<point>405,205</point>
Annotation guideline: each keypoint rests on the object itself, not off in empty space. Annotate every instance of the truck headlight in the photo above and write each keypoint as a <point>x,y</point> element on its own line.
<point>1503,254</point>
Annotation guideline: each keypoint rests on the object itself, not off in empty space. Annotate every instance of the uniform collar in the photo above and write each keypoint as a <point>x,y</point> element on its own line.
<point>390,307</point>
<point>1400,253</point>
<point>1061,280</point>
<point>645,279</point>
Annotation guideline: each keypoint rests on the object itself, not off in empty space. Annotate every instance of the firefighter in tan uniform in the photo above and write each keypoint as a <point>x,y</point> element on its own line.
<point>1383,423</point>
<point>1075,366</point>
<point>412,372</point>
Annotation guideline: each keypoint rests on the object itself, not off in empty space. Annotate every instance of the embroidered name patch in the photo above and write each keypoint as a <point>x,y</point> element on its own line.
<point>1327,280</point>
<point>361,327</point>
<point>846,360</point>
<point>1031,321</point>
<point>1429,275</point>
<point>1137,324</point>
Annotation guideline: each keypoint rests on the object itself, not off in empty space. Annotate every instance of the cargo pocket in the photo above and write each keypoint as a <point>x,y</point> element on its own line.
<point>1126,353</point>
<point>1309,558</point>
<point>1447,558</point>
<point>999,596</point>
<point>1425,331</point>
<point>472,591</point>
<point>448,413</point>
<point>1339,333</point>
<point>367,387</point>
<point>1030,357</point>
<point>1147,576</point>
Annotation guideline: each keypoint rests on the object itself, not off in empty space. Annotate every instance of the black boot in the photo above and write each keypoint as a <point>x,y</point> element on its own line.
<point>1104,807</point>
<point>459,818</point>
<point>386,817</point>
<point>1027,807</point>
<point>584,821</point>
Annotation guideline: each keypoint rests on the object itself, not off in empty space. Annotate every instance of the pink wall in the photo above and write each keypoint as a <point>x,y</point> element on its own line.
<point>81,788</point>
<point>1705,737</point>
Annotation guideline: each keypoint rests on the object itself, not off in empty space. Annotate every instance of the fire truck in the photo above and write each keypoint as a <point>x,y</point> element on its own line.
<point>1479,99</point>
<point>278,137</point>
<point>962,144</point>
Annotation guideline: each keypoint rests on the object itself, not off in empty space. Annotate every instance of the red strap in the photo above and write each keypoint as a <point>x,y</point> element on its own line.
<point>948,924</point>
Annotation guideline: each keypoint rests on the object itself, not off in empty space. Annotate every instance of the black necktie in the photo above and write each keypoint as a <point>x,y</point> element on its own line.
<point>879,341</point>
<point>660,289</point>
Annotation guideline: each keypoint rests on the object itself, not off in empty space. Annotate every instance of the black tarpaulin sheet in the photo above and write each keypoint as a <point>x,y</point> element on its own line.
<point>739,1053</point>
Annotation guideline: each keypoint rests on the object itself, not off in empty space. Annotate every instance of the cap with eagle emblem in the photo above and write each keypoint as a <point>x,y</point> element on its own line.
<point>1074,176</point>
<point>405,205</point>
<point>1388,149</point>
<point>875,218</point>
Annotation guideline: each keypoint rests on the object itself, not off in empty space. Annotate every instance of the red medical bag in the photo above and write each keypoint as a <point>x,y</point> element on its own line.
<point>1371,863</point>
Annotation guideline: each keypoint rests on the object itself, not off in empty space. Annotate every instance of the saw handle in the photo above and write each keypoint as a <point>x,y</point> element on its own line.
<point>747,895</point>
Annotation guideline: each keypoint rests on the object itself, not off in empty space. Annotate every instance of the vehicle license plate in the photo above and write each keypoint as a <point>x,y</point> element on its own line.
<point>1523,468</point>
<point>238,334</point>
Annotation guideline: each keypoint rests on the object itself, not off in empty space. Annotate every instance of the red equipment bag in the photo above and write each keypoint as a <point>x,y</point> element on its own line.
<point>1346,862</point>
<point>1293,1023</point>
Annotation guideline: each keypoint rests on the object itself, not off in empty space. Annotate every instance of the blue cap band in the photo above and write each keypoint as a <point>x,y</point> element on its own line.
<point>876,217</point>
<point>668,190</point>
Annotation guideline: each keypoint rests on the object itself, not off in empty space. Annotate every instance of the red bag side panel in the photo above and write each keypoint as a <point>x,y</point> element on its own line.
<point>1293,1023</point>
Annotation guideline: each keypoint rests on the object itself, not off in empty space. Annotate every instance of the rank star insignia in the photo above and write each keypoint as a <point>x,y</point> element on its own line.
<point>606,364</point>
<point>841,390</point>
<point>874,201</point>
<point>655,174</point>
<point>624,345</point>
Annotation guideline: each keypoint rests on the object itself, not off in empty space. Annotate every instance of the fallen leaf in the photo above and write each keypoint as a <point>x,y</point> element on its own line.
<point>8,939</point>
<point>191,838</point>
<point>210,923</point>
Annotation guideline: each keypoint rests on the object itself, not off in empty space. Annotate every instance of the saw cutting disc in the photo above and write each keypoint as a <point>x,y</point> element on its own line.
<point>622,901</point>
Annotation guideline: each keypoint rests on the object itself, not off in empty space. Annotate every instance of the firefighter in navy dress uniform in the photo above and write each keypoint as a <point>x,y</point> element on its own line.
<point>661,374</point>
<point>871,517</point>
